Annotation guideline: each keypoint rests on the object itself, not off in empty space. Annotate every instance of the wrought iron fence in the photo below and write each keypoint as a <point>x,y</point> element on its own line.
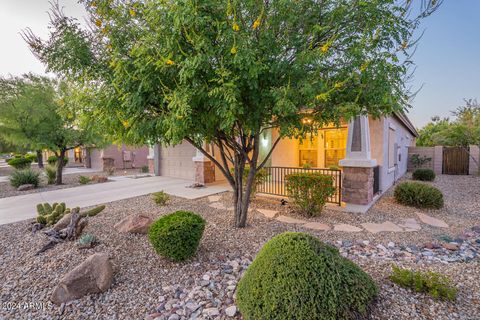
<point>274,182</point>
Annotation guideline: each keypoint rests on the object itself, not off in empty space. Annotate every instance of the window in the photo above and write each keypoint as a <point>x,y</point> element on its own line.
<point>391,147</point>
<point>335,146</point>
<point>308,151</point>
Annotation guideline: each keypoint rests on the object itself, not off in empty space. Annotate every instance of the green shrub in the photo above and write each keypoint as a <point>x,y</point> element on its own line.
<point>418,195</point>
<point>31,157</point>
<point>51,173</point>
<point>296,276</point>
<point>309,191</point>
<point>84,180</point>
<point>334,167</point>
<point>144,169</point>
<point>20,163</point>
<point>52,160</point>
<point>26,176</point>
<point>177,235</point>
<point>260,176</point>
<point>160,198</point>
<point>435,284</point>
<point>423,175</point>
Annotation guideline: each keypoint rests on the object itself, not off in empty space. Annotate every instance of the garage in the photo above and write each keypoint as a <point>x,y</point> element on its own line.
<point>177,161</point>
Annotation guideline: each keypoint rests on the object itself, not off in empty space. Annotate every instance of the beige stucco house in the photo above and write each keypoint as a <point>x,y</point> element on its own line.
<point>371,153</point>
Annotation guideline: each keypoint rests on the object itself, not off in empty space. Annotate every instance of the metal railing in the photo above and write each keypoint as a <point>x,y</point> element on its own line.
<point>274,182</point>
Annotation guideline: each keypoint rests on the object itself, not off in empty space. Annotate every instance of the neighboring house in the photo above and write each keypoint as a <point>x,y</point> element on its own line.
<point>376,148</point>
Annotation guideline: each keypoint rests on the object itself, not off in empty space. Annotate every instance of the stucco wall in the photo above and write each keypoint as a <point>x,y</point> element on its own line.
<point>139,156</point>
<point>428,152</point>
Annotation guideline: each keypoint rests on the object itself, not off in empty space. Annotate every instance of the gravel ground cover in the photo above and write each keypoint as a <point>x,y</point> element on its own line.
<point>147,286</point>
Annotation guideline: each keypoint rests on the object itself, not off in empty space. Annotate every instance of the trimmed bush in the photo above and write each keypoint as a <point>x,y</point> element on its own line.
<point>160,198</point>
<point>423,175</point>
<point>52,160</point>
<point>435,284</point>
<point>309,191</point>
<point>32,157</point>
<point>296,276</point>
<point>26,176</point>
<point>84,179</point>
<point>418,195</point>
<point>51,173</point>
<point>177,235</point>
<point>144,169</point>
<point>20,163</point>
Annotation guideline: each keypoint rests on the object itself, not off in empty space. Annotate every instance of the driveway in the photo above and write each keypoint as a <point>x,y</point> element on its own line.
<point>19,208</point>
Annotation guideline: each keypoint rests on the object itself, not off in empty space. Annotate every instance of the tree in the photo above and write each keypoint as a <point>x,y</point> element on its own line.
<point>224,71</point>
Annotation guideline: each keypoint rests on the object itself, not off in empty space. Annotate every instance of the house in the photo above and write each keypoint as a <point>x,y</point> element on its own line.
<point>371,153</point>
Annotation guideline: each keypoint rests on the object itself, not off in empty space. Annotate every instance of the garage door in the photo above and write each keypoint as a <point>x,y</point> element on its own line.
<point>177,161</point>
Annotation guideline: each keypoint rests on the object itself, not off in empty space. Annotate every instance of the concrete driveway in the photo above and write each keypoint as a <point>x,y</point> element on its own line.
<point>19,208</point>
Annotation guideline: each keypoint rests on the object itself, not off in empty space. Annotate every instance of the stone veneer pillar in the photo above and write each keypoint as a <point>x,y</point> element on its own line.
<point>204,169</point>
<point>357,185</point>
<point>151,160</point>
<point>473,165</point>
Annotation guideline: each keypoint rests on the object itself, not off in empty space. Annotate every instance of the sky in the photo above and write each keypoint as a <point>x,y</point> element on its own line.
<point>447,58</point>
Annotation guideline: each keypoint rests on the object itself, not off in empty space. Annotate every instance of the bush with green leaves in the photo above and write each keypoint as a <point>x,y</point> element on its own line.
<point>25,176</point>
<point>260,176</point>
<point>177,235</point>
<point>296,276</point>
<point>144,169</point>
<point>435,284</point>
<point>32,157</point>
<point>52,160</point>
<point>309,191</point>
<point>160,198</point>
<point>51,173</point>
<point>417,194</point>
<point>20,163</point>
<point>84,180</point>
<point>423,175</point>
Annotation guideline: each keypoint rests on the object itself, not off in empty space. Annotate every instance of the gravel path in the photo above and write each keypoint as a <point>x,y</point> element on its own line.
<point>145,283</point>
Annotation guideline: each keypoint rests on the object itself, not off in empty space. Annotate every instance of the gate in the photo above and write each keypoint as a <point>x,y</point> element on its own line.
<point>455,160</point>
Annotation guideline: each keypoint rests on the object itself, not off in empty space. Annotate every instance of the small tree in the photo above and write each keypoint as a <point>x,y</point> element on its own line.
<point>224,71</point>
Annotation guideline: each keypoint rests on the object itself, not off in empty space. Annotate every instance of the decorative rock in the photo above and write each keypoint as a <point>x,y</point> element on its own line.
<point>214,198</point>
<point>94,275</point>
<point>218,205</point>
<point>231,311</point>
<point>268,213</point>
<point>431,220</point>
<point>25,187</point>
<point>136,223</point>
<point>290,220</point>
<point>411,225</point>
<point>386,226</point>
<point>346,228</point>
<point>317,226</point>
<point>211,312</point>
<point>451,246</point>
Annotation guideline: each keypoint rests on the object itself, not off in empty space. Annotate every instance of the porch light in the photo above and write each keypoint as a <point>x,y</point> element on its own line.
<point>264,140</point>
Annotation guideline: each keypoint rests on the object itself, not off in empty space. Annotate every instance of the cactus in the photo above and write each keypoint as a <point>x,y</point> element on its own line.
<point>50,214</point>
<point>93,212</point>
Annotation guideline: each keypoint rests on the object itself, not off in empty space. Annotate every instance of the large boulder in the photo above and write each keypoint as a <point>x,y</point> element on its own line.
<point>136,223</point>
<point>94,275</point>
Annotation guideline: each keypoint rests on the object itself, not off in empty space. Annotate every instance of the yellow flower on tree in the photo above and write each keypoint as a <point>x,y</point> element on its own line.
<point>322,97</point>
<point>133,13</point>
<point>235,27</point>
<point>98,23</point>
<point>325,47</point>
<point>233,50</point>
<point>125,123</point>
<point>256,24</point>
<point>170,62</point>
<point>338,85</point>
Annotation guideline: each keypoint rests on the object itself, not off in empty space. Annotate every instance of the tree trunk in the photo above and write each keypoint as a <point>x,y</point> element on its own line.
<point>241,194</point>
<point>40,159</point>
<point>60,164</point>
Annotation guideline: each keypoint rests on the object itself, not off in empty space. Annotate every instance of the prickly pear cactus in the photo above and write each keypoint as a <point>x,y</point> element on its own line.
<point>50,214</point>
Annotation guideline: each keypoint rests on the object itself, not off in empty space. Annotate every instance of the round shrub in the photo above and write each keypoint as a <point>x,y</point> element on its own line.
<point>32,157</point>
<point>296,276</point>
<point>20,163</point>
<point>418,195</point>
<point>27,176</point>
<point>52,160</point>
<point>423,175</point>
<point>177,235</point>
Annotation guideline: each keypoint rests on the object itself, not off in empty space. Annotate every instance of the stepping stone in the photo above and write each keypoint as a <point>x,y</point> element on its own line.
<point>214,198</point>
<point>346,228</point>
<point>290,220</point>
<point>268,213</point>
<point>411,225</point>
<point>431,220</point>
<point>317,226</point>
<point>218,205</point>
<point>386,226</point>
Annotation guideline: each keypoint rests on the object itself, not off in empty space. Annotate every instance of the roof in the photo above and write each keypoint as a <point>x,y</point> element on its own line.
<point>406,122</point>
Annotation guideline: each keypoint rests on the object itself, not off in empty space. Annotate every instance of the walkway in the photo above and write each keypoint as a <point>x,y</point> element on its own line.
<point>19,208</point>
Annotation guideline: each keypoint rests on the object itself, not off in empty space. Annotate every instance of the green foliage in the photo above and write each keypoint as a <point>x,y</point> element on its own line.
<point>20,163</point>
<point>144,169</point>
<point>260,176</point>
<point>177,235</point>
<point>435,284</point>
<point>296,276</point>
<point>309,191</point>
<point>110,171</point>
<point>334,167</point>
<point>87,239</point>
<point>26,176</point>
<point>51,173</point>
<point>84,180</point>
<point>52,160</point>
<point>31,157</point>
<point>160,198</point>
<point>419,161</point>
<point>93,212</point>
<point>50,214</point>
<point>423,175</point>
<point>419,195</point>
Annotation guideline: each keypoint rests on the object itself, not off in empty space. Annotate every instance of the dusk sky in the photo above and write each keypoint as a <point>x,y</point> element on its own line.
<point>447,59</point>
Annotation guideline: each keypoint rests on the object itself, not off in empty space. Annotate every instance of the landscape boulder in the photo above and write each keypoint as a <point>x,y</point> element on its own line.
<point>94,275</point>
<point>25,187</point>
<point>136,223</point>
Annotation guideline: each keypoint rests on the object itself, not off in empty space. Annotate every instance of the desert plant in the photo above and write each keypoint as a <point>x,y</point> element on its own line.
<point>51,173</point>
<point>26,176</point>
<point>31,157</point>
<point>160,197</point>
<point>110,171</point>
<point>87,240</point>
<point>84,179</point>
<point>52,160</point>
<point>435,284</point>
<point>50,214</point>
<point>93,212</point>
<point>309,191</point>
<point>20,163</point>
<point>418,161</point>
<point>417,194</point>
<point>296,276</point>
<point>177,235</point>
<point>423,175</point>
<point>144,169</point>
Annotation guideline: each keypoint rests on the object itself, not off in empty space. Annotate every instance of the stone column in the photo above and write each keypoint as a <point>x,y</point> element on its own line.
<point>151,160</point>
<point>357,186</point>
<point>204,168</point>
<point>438,159</point>
<point>473,165</point>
